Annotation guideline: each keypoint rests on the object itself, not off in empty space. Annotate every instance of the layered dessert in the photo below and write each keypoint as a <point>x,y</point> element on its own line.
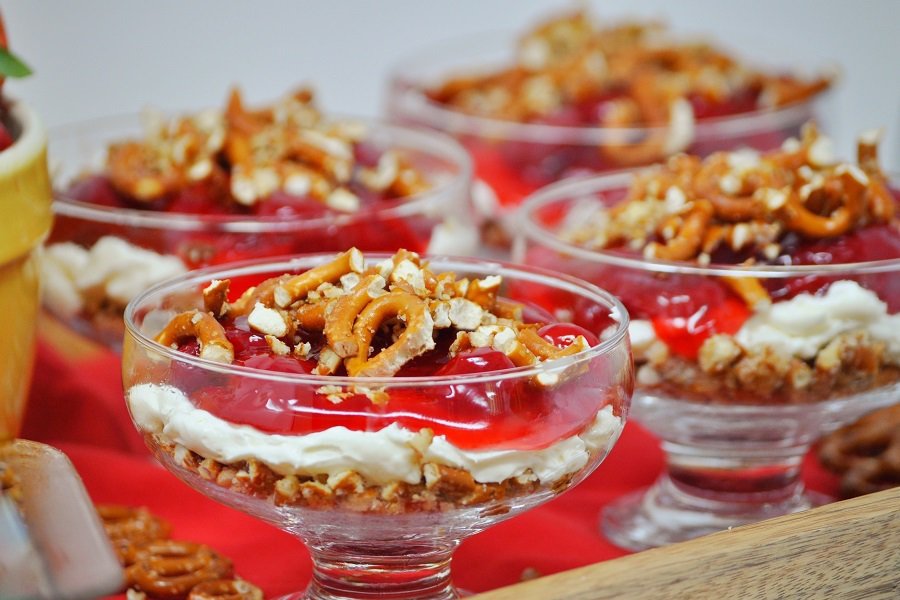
<point>239,183</point>
<point>383,387</point>
<point>752,278</point>
<point>581,95</point>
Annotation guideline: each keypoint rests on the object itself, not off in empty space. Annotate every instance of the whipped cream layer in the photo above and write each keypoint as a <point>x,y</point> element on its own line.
<point>806,323</point>
<point>112,268</point>
<point>391,454</point>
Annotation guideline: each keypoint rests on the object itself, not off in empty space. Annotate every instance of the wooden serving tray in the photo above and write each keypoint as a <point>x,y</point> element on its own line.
<point>846,550</point>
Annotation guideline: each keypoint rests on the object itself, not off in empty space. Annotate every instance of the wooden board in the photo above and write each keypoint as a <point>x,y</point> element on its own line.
<point>848,550</point>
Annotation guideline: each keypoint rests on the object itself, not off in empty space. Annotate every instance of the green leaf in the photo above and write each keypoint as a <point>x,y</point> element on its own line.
<point>11,65</point>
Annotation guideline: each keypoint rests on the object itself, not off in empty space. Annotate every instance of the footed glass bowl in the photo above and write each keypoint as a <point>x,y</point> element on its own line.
<point>514,159</point>
<point>381,478</point>
<point>736,395</point>
<point>101,255</point>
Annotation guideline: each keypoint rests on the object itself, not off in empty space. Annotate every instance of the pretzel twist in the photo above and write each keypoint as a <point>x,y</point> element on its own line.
<point>852,198</point>
<point>171,569</point>
<point>646,107</point>
<point>544,350</point>
<point>339,325</point>
<point>128,528</point>
<point>689,236</point>
<point>742,206</point>
<point>204,327</point>
<point>866,453</point>
<point>226,589</point>
<point>416,338</point>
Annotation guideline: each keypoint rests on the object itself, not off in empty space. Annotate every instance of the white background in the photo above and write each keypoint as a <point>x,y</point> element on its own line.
<point>101,57</point>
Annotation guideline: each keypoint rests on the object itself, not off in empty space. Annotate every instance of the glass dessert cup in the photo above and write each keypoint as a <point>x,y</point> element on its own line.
<point>130,249</point>
<point>734,422</point>
<point>391,533</point>
<point>25,203</point>
<point>515,159</point>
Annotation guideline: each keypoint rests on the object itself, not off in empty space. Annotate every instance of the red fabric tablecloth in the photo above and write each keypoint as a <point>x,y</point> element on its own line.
<point>77,405</point>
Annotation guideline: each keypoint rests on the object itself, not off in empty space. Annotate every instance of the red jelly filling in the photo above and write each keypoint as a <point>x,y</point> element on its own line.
<point>505,413</point>
<point>370,228</point>
<point>687,309</point>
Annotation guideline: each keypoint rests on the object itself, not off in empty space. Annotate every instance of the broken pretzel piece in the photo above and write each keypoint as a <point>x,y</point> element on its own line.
<point>204,327</point>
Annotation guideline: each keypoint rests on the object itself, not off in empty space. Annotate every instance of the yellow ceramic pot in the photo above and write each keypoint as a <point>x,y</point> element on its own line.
<point>25,219</point>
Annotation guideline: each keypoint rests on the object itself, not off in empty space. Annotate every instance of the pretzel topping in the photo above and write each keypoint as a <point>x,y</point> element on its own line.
<point>642,80</point>
<point>243,156</point>
<point>369,320</point>
<point>214,344</point>
<point>850,191</point>
<point>339,329</point>
<point>744,201</point>
<point>299,286</point>
<point>415,339</point>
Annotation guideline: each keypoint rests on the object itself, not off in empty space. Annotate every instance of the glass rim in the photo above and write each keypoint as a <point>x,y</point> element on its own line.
<point>287,263</point>
<point>407,91</point>
<point>435,144</point>
<point>565,191</point>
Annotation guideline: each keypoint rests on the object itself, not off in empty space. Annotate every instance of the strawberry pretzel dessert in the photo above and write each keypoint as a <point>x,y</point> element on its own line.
<point>386,386</point>
<point>242,183</point>
<point>578,95</point>
<point>751,278</point>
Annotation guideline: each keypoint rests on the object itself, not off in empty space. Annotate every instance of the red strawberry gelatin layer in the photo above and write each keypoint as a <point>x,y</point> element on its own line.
<point>500,414</point>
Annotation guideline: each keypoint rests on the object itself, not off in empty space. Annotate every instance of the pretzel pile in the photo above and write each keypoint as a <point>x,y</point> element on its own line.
<point>866,453</point>
<point>569,60</point>
<point>161,568</point>
<point>247,155</point>
<point>690,208</point>
<point>374,319</point>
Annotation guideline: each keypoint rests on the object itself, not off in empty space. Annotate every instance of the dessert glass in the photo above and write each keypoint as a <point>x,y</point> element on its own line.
<point>514,159</point>
<point>734,447</point>
<point>383,536</point>
<point>25,204</point>
<point>91,302</point>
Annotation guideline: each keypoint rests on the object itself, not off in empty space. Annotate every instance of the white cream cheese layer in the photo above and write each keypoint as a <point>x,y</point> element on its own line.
<point>391,454</point>
<point>112,267</point>
<point>804,324</point>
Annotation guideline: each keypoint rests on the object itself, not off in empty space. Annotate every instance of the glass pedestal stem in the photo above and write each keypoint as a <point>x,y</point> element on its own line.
<point>705,490</point>
<point>396,573</point>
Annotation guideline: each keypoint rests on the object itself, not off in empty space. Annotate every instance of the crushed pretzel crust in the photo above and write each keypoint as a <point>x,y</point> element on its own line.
<point>373,319</point>
<point>246,155</point>
<point>442,488</point>
<point>570,60</point>
<point>728,373</point>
